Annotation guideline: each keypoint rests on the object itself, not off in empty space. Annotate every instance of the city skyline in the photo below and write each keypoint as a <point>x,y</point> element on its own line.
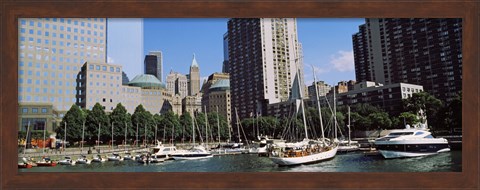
<point>326,45</point>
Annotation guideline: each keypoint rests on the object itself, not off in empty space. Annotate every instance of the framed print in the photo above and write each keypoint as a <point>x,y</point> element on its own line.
<point>75,103</point>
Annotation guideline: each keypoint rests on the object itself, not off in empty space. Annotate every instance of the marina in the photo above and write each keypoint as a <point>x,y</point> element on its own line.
<point>350,162</point>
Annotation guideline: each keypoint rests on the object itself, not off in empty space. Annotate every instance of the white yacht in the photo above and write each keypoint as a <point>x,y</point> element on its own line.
<point>127,156</point>
<point>260,148</point>
<point>98,158</point>
<point>161,151</point>
<point>348,146</point>
<point>197,152</point>
<point>304,152</point>
<point>67,161</point>
<point>82,160</point>
<point>410,143</point>
<point>115,157</point>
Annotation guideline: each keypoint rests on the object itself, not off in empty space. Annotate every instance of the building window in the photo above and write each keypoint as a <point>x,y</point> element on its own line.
<point>44,110</point>
<point>24,110</point>
<point>34,110</point>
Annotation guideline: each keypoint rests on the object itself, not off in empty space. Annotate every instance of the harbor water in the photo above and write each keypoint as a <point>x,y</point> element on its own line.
<point>349,162</point>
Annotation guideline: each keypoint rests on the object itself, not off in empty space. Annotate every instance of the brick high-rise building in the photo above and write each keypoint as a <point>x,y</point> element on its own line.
<point>263,56</point>
<point>425,52</point>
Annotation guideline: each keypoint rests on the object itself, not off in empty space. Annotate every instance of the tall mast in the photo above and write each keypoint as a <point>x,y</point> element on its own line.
<point>193,129</point>
<point>98,137</point>
<point>112,137</point>
<point>303,105</point>
<point>173,131</point>
<point>83,134</point>
<point>335,111</point>
<point>254,127</point>
<point>125,141</point>
<point>26,139</point>
<point>206,128</point>
<point>349,125</point>
<point>238,127</point>
<point>145,135</point>
<point>218,125</point>
<point>318,104</point>
<point>136,141</point>
<point>65,138</point>
<point>44,130</point>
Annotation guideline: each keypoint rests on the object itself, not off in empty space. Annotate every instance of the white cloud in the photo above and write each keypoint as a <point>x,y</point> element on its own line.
<point>110,60</point>
<point>343,61</point>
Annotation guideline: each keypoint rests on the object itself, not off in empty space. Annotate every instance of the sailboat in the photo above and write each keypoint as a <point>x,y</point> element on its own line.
<point>348,145</point>
<point>68,160</point>
<point>127,155</point>
<point>196,152</point>
<point>306,151</point>
<point>114,156</point>
<point>98,157</point>
<point>45,161</point>
<point>233,147</point>
<point>82,159</point>
<point>25,163</point>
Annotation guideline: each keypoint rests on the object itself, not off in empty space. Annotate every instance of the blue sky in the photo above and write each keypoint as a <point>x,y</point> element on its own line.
<point>327,45</point>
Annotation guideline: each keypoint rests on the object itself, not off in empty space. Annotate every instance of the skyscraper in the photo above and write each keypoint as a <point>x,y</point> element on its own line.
<point>264,58</point>
<point>425,52</point>
<point>51,54</point>
<point>151,65</point>
<point>225,65</point>
<point>159,66</point>
<point>194,78</point>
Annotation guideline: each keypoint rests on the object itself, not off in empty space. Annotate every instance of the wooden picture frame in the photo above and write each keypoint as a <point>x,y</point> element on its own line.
<point>11,178</point>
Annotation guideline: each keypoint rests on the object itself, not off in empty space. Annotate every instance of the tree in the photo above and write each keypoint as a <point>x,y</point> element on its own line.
<point>380,120</point>
<point>145,122</point>
<point>120,120</point>
<point>453,114</point>
<point>408,118</point>
<point>428,104</point>
<point>95,118</point>
<point>170,123</point>
<point>186,126</point>
<point>74,119</point>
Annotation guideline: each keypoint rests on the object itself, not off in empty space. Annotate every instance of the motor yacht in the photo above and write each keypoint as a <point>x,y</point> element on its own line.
<point>410,143</point>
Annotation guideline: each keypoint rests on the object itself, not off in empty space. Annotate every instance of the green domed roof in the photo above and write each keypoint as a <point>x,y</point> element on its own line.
<point>146,80</point>
<point>219,85</point>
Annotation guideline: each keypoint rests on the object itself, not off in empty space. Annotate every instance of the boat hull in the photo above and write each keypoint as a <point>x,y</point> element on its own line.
<point>47,164</point>
<point>83,161</point>
<point>400,154</point>
<point>191,156</point>
<point>309,159</point>
<point>98,160</point>
<point>25,166</point>
<point>397,149</point>
<point>67,162</point>
<point>348,148</point>
<point>115,159</point>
